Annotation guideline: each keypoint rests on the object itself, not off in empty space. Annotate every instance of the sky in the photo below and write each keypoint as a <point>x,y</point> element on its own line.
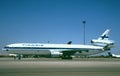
<point>58,21</point>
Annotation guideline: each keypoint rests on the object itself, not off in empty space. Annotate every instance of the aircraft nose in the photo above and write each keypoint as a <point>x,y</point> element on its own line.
<point>6,46</point>
<point>4,49</point>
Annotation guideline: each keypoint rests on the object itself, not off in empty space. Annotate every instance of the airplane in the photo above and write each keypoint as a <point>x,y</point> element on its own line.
<point>116,56</point>
<point>113,55</point>
<point>64,51</point>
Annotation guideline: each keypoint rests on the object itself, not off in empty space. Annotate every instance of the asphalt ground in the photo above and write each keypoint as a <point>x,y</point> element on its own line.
<point>58,67</point>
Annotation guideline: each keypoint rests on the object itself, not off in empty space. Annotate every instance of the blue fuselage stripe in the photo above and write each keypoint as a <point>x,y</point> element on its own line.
<point>36,48</point>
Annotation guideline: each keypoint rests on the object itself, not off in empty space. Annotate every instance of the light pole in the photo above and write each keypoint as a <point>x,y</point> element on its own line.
<point>84,31</point>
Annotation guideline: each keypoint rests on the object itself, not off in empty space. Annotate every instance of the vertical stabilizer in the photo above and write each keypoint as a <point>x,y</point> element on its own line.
<point>105,35</point>
<point>103,40</point>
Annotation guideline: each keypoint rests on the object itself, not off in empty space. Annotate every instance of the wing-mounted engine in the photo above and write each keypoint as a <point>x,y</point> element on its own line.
<point>55,53</point>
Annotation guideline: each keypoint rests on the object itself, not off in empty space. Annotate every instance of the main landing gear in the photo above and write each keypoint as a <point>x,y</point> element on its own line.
<point>19,56</point>
<point>67,55</point>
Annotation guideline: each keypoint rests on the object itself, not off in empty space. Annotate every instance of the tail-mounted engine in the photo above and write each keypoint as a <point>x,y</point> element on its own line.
<point>102,42</point>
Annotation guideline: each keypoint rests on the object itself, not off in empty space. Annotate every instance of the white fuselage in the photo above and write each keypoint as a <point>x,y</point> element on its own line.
<point>54,49</point>
<point>117,56</point>
<point>63,50</point>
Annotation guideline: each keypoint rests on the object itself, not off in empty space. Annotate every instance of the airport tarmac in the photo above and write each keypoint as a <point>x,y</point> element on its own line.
<point>58,67</point>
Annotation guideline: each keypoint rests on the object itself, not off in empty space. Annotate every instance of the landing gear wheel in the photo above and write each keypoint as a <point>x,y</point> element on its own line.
<point>66,57</point>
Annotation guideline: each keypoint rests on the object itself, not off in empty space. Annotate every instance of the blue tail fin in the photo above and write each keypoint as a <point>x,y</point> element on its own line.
<point>105,35</point>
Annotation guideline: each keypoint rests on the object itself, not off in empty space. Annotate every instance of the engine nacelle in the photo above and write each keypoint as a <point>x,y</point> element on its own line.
<point>102,42</point>
<point>55,53</point>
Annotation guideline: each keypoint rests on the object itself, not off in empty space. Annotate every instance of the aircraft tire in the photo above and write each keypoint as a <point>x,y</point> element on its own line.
<point>66,57</point>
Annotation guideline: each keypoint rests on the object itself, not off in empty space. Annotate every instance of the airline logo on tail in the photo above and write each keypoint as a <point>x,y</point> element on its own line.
<point>105,35</point>
<point>103,40</point>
